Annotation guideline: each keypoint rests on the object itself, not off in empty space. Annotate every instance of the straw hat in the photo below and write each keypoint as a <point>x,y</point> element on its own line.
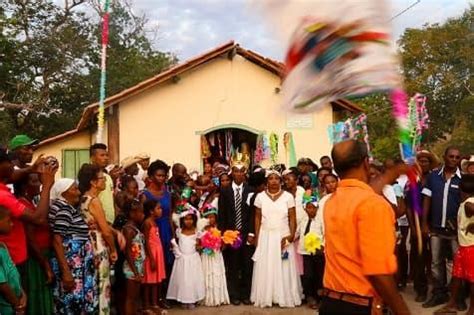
<point>129,161</point>
<point>466,163</point>
<point>434,161</point>
<point>143,156</point>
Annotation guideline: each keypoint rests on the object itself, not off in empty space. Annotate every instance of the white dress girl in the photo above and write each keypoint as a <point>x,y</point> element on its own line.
<point>187,279</point>
<point>275,279</point>
<point>214,279</point>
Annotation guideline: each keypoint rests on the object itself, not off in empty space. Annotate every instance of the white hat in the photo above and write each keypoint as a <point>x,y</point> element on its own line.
<point>129,161</point>
<point>465,163</point>
<point>143,156</point>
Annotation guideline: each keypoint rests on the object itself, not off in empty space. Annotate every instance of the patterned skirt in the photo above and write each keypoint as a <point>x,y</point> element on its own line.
<point>83,299</point>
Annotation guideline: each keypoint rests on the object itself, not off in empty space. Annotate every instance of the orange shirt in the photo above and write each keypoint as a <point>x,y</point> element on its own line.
<point>360,238</point>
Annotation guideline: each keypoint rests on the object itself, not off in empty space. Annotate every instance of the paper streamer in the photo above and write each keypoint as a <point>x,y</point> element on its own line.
<point>339,50</point>
<point>103,72</point>
<point>289,149</point>
<point>274,147</point>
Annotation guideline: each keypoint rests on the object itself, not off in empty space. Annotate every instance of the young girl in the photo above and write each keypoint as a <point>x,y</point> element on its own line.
<point>154,263</point>
<point>213,267</point>
<point>186,283</point>
<point>134,255</point>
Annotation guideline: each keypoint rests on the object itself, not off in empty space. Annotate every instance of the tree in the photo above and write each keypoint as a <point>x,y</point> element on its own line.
<point>51,57</point>
<point>437,62</point>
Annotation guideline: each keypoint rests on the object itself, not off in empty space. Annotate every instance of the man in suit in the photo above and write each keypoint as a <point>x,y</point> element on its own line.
<point>234,214</point>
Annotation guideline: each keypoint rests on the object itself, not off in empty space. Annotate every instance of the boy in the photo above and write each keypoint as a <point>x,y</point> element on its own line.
<point>313,263</point>
<point>12,297</point>
<point>463,268</point>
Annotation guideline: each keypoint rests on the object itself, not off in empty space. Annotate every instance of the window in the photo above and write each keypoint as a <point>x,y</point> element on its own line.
<point>73,160</point>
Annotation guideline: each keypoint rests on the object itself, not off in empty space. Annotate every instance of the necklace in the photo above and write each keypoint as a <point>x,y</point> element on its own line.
<point>275,195</point>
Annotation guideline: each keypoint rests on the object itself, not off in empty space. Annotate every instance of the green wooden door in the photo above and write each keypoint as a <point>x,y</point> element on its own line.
<point>73,160</point>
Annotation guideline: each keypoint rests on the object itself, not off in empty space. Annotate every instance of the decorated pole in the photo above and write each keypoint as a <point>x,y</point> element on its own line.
<point>103,69</point>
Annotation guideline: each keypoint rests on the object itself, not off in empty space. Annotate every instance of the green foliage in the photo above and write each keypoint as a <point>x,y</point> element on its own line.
<point>50,64</point>
<point>437,62</point>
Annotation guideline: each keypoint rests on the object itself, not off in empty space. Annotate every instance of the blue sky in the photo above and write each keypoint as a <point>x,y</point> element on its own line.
<point>190,27</point>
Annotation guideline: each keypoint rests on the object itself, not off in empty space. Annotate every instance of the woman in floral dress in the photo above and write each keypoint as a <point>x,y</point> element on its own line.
<point>75,287</point>
<point>91,183</point>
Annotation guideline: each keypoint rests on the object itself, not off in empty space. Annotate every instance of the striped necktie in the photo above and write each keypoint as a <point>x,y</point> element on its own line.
<point>238,209</point>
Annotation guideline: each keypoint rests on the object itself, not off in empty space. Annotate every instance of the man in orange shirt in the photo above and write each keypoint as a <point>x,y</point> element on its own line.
<point>359,241</point>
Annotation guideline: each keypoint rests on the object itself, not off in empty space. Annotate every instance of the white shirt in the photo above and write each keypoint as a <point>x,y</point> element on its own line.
<point>140,177</point>
<point>240,187</point>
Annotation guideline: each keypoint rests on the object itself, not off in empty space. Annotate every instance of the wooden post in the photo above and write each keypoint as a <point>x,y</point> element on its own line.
<point>113,134</point>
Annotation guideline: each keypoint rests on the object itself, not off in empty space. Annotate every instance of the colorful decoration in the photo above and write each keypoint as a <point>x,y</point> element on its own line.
<point>340,51</point>
<point>406,137</point>
<point>289,149</point>
<point>103,75</point>
<point>211,241</point>
<point>312,243</point>
<point>352,128</point>
<point>208,209</point>
<point>205,149</point>
<point>273,147</point>
<point>419,119</point>
<point>310,196</point>
<point>259,154</point>
<point>232,238</point>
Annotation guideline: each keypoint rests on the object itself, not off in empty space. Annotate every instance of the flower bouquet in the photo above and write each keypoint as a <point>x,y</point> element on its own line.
<point>211,241</point>
<point>232,238</point>
<point>312,243</point>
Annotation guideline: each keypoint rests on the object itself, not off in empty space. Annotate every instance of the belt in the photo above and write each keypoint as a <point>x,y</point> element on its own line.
<point>347,297</point>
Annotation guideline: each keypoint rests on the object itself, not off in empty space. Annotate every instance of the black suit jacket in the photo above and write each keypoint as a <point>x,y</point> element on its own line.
<point>226,216</point>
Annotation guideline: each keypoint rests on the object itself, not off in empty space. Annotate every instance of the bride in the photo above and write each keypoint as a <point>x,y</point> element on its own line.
<point>275,279</point>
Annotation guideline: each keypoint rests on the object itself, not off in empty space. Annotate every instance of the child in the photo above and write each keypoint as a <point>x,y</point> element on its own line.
<point>213,267</point>
<point>313,264</point>
<point>134,255</point>
<point>12,297</point>
<point>154,263</point>
<point>463,267</point>
<point>186,283</point>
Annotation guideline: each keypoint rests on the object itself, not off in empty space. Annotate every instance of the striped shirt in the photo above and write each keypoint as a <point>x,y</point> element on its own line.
<point>67,221</point>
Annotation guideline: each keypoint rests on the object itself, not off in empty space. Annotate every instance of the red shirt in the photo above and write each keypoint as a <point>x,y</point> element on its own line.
<point>41,233</point>
<point>16,240</point>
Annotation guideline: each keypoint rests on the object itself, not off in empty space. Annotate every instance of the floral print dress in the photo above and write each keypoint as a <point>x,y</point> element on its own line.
<point>101,257</point>
<point>138,254</point>
<point>67,221</point>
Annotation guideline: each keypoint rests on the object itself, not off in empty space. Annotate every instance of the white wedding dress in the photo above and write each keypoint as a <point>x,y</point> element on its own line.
<point>275,279</point>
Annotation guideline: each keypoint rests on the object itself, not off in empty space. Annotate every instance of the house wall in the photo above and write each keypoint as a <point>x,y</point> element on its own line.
<point>80,140</point>
<point>163,121</point>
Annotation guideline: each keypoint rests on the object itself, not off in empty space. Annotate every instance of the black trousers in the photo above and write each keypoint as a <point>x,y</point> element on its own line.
<point>238,269</point>
<point>337,307</point>
<point>419,263</point>
<point>402,257</point>
<point>313,272</point>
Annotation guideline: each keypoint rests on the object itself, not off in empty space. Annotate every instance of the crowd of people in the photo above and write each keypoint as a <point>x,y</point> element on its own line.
<point>133,238</point>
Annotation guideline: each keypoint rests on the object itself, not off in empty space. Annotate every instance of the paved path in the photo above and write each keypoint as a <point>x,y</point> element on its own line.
<point>408,295</point>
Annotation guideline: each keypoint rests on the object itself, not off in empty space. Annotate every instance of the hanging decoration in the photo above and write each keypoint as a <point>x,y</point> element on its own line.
<point>289,149</point>
<point>205,149</point>
<point>103,73</point>
<point>228,145</point>
<point>273,147</point>
<point>259,154</point>
<point>352,128</point>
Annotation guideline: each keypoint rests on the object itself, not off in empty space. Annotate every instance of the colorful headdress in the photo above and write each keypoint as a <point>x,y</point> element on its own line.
<point>309,197</point>
<point>208,209</point>
<point>188,209</point>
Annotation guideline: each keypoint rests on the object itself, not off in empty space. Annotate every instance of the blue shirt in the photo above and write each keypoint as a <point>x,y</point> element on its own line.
<point>445,197</point>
